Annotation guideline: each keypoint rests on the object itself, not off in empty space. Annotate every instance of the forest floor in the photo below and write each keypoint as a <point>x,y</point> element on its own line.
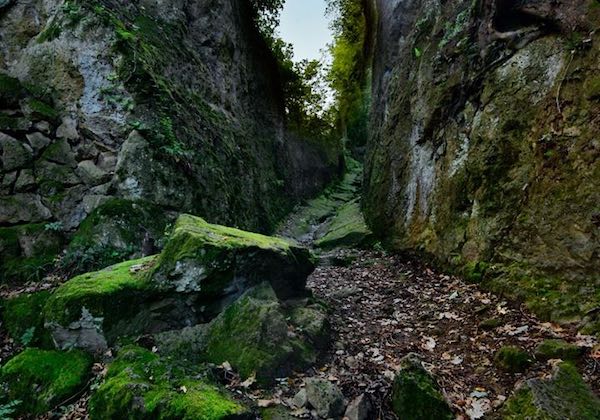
<point>384,307</point>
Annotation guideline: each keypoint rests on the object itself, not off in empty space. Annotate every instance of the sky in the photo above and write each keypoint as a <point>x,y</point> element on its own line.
<point>304,24</point>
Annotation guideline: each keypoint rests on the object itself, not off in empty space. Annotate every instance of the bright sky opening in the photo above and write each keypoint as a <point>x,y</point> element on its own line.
<point>304,24</point>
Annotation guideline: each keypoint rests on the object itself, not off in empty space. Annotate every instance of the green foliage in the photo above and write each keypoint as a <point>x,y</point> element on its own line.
<point>8,409</point>
<point>23,318</point>
<point>349,71</point>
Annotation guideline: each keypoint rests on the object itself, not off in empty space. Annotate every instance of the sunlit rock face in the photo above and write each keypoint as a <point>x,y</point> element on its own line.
<point>173,104</point>
<point>484,142</point>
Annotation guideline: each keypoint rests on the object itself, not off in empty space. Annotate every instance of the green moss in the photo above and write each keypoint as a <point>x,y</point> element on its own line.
<point>512,359</point>
<point>252,335</point>
<point>110,293</point>
<point>564,396</point>
<point>222,252</point>
<point>475,271</point>
<point>41,379</point>
<point>139,384</point>
<point>557,349</point>
<point>490,323</point>
<point>42,109</point>
<point>24,313</point>
<point>347,228</point>
<point>415,394</point>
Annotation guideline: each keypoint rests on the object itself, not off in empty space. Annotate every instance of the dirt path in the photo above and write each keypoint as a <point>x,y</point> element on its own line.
<point>385,307</point>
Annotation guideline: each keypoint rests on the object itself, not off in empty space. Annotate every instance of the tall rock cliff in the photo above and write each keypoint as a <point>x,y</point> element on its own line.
<point>484,148</point>
<point>117,115</point>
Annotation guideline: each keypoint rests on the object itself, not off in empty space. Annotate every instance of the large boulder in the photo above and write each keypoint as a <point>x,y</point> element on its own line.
<point>564,396</point>
<point>214,261</point>
<point>93,309</point>
<point>41,379</point>
<point>257,335</point>
<point>416,395</point>
<point>202,269</point>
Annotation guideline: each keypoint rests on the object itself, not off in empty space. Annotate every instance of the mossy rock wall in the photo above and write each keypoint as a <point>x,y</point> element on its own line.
<point>176,106</point>
<point>483,150</point>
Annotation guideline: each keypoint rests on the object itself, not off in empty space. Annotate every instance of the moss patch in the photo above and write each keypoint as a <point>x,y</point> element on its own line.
<point>252,335</point>
<point>557,349</point>
<point>347,228</point>
<point>114,293</point>
<point>565,396</point>
<point>141,384</point>
<point>415,394</point>
<point>23,317</point>
<point>512,359</point>
<point>41,379</point>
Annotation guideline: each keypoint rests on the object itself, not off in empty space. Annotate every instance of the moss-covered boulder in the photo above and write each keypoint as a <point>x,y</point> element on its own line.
<point>252,334</point>
<point>512,359</point>
<point>346,229</point>
<point>416,395</point>
<point>214,261</point>
<point>141,385</point>
<point>93,309</point>
<point>41,379</point>
<point>27,252</point>
<point>564,396</point>
<point>558,349</point>
<point>23,318</point>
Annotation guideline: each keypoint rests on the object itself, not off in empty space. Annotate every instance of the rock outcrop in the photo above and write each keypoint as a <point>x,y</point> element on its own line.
<point>176,106</point>
<point>484,144</point>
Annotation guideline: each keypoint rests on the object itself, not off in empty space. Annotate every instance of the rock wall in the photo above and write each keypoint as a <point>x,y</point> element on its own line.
<point>484,144</point>
<point>174,106</point>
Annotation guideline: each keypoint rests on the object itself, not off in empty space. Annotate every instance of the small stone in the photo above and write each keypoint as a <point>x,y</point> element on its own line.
<point>300,399</point>
<point>43,126</point>
<point>68,129</point>
<point>490,324</point>
<point>38,141</point>
<point>107,161</point>
<point>359,409</point>
<point>25,181</point>
<point>7,181</point>
<point>90,174</point>
<point>325,398</point>
<point>15,154</point>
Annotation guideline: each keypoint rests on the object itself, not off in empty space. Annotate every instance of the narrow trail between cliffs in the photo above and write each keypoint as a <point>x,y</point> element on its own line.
<point>385,306</point>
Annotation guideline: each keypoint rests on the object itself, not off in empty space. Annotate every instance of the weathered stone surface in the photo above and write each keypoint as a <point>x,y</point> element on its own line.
<point>325,397</point>
<point>15,154</point>
<point>25,181</point>
<point>564,396</point>
<point>416,395</point>
<point>216,261</point>
<point>360,408</point>
<point>465,161</point>
<point>68,129</point>
<point>23,208</point>
<point>91,174</point>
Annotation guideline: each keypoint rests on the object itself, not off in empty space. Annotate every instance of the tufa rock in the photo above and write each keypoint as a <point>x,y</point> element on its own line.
<point>325,397</point>
<point>360,408</point>
<point>557,349</point>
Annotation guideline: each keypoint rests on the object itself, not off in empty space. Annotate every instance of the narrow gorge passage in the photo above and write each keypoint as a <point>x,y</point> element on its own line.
<point>385,306</point>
